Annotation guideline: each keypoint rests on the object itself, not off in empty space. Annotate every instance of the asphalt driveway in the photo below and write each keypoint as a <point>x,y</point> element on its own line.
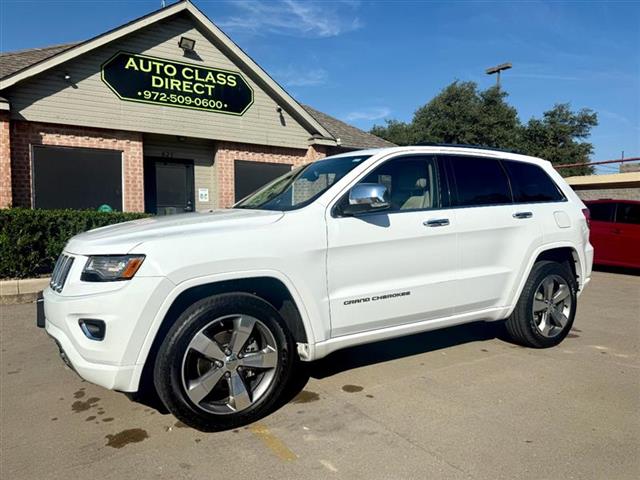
<point>457,403</point>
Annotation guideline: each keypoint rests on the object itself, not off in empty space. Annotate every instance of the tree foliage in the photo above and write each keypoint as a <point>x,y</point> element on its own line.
<point>463,114</point>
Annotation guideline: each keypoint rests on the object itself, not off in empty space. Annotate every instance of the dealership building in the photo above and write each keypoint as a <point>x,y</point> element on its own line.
<point>164,114</point>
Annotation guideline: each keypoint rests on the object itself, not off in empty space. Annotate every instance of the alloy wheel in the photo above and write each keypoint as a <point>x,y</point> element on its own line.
<point>552,304</point>
<point>229,364</point>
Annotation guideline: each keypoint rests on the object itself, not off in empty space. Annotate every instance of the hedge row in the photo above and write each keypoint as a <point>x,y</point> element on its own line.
<point>31,240</point>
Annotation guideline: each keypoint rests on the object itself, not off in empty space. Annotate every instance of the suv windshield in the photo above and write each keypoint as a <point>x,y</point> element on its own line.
<point>302,185</point>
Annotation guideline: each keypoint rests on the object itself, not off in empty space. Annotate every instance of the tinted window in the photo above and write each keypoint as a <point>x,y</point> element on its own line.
<point>629,213</point>
<point>530,183</point>
<point>602,212</point>
<point>412,183</point>
<point>480,181</point>
<point>78,178</point>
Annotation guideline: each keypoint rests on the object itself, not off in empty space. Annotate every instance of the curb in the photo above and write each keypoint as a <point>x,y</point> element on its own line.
<point>23,290</point>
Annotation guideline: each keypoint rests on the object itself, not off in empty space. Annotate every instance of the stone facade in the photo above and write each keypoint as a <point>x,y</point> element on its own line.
<point>612,193</point>
<point>25,135</point>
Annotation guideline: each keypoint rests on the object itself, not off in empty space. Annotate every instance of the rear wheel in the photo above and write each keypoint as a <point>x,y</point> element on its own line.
<point>546,309</point>
<point>224,362</point>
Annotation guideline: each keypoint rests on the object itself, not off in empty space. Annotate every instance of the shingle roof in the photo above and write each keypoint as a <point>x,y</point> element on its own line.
<point>350,136</point>
<point>12,62</point>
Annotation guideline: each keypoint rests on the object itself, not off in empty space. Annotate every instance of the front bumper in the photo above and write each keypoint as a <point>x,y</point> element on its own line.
<point>127,313</point>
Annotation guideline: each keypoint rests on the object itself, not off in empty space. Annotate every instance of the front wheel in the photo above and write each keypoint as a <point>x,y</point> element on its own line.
<point>225,362</point>
<point>546,309</point>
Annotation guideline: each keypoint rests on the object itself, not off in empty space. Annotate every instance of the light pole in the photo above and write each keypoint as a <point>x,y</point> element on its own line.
<point>497,69</point>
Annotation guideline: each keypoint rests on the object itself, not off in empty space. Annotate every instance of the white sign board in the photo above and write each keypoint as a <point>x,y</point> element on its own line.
<point>203,194</point>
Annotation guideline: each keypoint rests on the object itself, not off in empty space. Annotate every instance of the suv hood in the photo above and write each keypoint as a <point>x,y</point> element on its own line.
<point>121,238</point>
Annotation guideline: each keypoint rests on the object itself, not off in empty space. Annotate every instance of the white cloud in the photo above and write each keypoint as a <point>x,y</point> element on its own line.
<point>368,114</point>
<point>293,18</point>
<point>296,77</point>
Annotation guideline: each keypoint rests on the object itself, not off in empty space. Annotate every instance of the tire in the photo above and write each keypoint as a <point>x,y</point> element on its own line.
<point>538,321</point>
<point>224,362</point>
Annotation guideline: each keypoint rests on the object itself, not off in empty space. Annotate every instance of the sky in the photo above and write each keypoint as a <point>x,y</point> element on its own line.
<point>367,61</point>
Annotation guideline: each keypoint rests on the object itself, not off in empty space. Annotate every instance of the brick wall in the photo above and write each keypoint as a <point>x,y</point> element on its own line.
<point>26,134</point>
<point>5,161</point>
<point>227,153</point>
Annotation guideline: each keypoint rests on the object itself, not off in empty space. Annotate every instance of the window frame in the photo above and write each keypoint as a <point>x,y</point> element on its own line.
<point>513,198</point>
<point>614,212</point>
<point>617,211</point>
<point>445,188</point>
<point>43,146</point>
<point>454,189</point>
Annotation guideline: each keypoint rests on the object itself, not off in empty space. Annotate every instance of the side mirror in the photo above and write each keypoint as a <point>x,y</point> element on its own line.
<point>366,197</point>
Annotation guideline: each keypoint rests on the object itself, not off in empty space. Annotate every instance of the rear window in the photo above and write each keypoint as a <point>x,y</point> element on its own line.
<point>531,184</point>
<point>628,213</point>
<point>480,181</point>
<point>602,212</point>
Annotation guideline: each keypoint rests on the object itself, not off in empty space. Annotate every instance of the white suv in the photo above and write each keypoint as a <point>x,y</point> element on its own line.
<point>217,308</point>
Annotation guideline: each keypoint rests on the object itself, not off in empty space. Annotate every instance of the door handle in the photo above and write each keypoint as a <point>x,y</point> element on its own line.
<point>616,231</point>
<point>523,215</point>
<point>439,222</point>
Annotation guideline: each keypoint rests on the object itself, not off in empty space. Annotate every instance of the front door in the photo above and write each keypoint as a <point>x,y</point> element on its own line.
<point>169,186</point>
<point>397,266</point>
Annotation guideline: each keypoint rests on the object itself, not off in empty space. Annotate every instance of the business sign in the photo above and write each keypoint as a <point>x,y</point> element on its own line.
<point>140,78</point>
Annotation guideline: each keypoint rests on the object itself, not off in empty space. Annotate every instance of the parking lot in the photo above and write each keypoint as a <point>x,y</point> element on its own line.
<point>457,403</point>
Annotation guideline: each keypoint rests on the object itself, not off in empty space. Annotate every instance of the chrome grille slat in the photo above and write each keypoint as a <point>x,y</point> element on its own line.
<point>60,272</point>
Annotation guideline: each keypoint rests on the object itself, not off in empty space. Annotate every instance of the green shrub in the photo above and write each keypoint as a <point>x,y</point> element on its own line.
<point>31,240</point>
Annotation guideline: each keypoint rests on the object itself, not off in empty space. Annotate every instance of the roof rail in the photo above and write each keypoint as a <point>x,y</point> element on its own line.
<point>464,145</point>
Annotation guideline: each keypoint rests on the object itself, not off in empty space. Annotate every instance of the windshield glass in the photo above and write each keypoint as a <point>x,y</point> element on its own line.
<point>302,185</point>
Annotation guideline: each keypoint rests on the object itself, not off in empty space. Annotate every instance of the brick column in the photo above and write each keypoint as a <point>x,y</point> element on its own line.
<point>5,161</point>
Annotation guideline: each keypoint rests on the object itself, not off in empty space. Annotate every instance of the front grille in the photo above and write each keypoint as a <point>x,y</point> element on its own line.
<point>60,272</point>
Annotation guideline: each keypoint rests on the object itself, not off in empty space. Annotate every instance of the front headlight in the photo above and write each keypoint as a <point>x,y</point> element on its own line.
<point>111,268</point>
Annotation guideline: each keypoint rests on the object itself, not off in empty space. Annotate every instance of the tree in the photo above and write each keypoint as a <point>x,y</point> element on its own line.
<point>462,114</point>
<point>559,136</point>
<point>397,132</point>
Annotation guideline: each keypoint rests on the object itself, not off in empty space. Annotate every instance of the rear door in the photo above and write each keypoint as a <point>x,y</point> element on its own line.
<point>495,236</point>
<point>396,266</point>
<point>604,233</point>
<point>627,228</point>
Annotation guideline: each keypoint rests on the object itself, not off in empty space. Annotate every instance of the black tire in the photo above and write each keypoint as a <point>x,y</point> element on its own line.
<point>168,370</point>
<point>522,325</point>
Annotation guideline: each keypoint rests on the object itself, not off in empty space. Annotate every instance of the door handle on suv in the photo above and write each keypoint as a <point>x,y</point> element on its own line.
<point>439,222</point>
<point>522,215</point>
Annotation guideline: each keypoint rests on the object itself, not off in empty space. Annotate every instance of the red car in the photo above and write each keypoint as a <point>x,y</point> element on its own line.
<point>615,232</point>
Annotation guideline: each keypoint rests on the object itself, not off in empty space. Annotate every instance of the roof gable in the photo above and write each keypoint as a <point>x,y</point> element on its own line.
<point>18,74</point>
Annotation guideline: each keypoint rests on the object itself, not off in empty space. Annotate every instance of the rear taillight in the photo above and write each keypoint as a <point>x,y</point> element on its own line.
<point>587,216</point>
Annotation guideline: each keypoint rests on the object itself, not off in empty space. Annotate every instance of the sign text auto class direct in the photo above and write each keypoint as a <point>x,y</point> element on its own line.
<point>140,78</point>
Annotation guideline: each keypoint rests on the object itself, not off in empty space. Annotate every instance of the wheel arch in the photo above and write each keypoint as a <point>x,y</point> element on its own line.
<point>565,253</point>
<point>267,286</point>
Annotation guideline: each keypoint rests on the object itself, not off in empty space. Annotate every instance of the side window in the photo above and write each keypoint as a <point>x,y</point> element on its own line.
<point>413,183</point>
<point>628,213</point>
<point>531,184</point>
<point>602,212</point>
<point>480,181</point>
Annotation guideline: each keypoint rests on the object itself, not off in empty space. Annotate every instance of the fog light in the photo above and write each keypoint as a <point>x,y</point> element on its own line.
<point>93,329</point>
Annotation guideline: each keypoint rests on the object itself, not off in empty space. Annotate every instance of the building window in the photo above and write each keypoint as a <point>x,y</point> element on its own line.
<point>250,176</point>
<point>78,178</point>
